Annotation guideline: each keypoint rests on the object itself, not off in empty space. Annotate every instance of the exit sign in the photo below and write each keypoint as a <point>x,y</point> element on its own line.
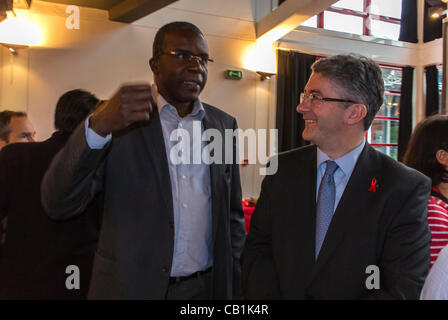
<point>234,74</point>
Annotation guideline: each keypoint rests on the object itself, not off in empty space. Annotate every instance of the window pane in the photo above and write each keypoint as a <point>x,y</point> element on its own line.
<point>350,4</point>
<point>311,22</point>
<point>385,30</point>
<point>390,151</point>
<point>343,22</point>
<point>392,79</point>
<point>391,106</point>
<point>389,8</point>
<point>384,132</point>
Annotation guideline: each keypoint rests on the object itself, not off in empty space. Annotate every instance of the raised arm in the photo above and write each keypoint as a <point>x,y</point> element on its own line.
<point>76,173</point>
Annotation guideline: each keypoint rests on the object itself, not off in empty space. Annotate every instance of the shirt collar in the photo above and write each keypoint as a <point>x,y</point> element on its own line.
<point>347,162</point>
<point>162,104</point>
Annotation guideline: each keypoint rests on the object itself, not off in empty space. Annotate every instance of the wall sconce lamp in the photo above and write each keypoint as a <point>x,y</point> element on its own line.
<point>13,48</point>
<point>16,31</point>
<point>437,11</point>
<point>261,58</point>
<point>265,75</point>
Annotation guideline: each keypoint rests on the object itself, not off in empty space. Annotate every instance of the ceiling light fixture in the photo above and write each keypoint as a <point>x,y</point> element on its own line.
<point>18,30</point>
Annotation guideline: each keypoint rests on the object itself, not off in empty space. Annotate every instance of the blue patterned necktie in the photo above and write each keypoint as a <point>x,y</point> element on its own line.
<point>325,204</point>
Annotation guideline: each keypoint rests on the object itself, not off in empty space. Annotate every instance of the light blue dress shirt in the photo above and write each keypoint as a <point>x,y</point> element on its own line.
<point>346,165</point>
<point>190,187</point>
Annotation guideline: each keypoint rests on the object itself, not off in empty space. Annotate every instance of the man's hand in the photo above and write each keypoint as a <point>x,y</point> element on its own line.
<point>131,103</point>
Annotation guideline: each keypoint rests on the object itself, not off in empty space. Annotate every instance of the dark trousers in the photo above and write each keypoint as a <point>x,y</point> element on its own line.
<point>197,288</point>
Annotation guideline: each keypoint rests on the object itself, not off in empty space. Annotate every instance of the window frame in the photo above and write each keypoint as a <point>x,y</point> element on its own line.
<point>366,15</point>
<point>386,118</point>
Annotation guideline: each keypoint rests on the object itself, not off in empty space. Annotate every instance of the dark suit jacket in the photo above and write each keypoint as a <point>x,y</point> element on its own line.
<point>387,228</point>
<point>38,249</point>
<point>136,245</point>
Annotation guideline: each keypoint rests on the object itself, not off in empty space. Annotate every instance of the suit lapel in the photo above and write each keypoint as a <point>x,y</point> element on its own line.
<point>153,136</point>
<point>355,200</point>
<point>304,216</point>
<point>216,174</point>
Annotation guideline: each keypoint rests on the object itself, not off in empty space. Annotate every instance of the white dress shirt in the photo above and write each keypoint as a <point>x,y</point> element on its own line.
<point>436,284</point>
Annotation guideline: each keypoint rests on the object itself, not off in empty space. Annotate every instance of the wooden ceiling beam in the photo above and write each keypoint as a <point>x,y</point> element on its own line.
<point>288,16</point>
<point>131,10</point>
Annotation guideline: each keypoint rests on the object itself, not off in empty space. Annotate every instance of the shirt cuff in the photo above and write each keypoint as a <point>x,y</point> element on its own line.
<point>94,140</point>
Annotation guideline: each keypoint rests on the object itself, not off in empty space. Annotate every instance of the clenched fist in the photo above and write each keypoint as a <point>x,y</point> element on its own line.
<point>131,103</point>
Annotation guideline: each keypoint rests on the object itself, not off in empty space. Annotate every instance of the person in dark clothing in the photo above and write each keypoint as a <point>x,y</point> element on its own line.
<point>43,258</point>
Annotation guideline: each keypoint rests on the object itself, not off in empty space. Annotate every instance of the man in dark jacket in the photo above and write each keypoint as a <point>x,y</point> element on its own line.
<point>42,258</point>
<point>339,220</point>
<point>170,230</point>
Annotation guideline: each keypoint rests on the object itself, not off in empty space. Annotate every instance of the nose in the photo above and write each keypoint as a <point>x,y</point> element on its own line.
<point>196,58</point>
<point>303,106</point>
<point>195,64</point>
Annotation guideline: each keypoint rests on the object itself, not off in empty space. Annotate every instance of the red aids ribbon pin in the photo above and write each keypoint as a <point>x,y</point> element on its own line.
<point>372,185</point>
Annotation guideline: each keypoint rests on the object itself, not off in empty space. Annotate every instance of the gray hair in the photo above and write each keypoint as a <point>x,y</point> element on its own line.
<point>359,78</point>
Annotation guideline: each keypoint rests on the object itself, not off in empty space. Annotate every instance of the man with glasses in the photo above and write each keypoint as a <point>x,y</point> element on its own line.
<point>339,220</point>
<point>170,230</point>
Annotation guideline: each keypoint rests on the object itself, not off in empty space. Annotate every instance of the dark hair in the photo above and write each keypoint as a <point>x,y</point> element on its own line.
<point>429,136</point>
<point>5,120</point>
<point>72,108</point>
<point>173,27</point>
<point>359,78</point>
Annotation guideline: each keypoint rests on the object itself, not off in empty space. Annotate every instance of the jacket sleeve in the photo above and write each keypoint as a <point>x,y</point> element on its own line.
<point>74,177</point>
<point>259,273</point>
<point>405,259</point>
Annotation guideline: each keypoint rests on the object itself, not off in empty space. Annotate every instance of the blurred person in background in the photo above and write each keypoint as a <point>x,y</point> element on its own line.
<point>436,284</point>
<point>428,153</point>
<point>15,127</point>
<point>38,251</point>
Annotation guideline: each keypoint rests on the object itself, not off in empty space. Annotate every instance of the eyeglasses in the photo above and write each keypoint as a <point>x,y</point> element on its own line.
<point>187,56</point>
<point>314,98</point>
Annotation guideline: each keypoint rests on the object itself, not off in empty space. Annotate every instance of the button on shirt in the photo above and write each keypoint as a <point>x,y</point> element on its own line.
<point>190,186</point>
<point>190,183</point>
<point>346,164</point>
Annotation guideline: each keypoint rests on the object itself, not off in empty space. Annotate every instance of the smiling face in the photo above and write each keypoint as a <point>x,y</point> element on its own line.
<point>325,121</point>
<point>179,81</point>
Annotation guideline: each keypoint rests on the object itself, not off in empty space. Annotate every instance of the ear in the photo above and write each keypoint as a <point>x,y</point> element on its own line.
<point>355,113</point>
<point>442,157</point>
<point>154,64</point>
